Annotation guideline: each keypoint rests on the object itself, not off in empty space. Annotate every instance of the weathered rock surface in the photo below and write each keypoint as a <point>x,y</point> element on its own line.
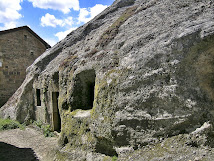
<point>152,66</point>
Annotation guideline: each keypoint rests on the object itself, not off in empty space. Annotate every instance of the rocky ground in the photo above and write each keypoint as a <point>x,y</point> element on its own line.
<point>31,145</point>
<point>25,145</point>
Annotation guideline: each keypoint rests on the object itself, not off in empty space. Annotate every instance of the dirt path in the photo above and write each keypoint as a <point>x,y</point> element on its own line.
<point>25,145</point>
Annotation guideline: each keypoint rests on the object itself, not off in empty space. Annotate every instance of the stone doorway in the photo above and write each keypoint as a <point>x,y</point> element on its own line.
<point>56,116</point>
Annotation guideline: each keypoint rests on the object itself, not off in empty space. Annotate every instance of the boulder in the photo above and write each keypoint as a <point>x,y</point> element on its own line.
<point>139,71</point>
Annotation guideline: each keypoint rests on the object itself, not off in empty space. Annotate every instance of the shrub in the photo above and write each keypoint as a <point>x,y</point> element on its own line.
<point>47,131</point>
<point>45,128</point>
<point>6,124</point>
<point>114,158</point>
<point>38,123</point>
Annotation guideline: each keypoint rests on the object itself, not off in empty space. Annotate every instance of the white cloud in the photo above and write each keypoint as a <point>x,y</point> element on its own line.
<point>98,8</point>
<point>51,42</point>
<point>9,13</point>
<point>61,5</point>
<point>51,20</point>
<point>63,34</point>
<point>8,25</point>
<point>86,15</point>
<point>83,15</point>
<point>68,21</point>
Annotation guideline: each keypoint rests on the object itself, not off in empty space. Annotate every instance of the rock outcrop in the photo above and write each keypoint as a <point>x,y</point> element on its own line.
<point>139,71</point>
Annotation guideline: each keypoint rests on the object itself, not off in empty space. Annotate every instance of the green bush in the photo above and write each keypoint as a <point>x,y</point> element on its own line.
<point>114,158</point>
<point>46,129</point>
<point>38,123</point>
<point>6,124</point>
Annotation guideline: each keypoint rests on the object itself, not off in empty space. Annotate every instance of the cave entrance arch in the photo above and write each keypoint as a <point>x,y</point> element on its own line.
<point>56,116</point>
<point>83,95</point>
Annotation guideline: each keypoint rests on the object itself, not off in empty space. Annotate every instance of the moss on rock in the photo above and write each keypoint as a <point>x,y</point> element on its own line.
<point>76,131</point>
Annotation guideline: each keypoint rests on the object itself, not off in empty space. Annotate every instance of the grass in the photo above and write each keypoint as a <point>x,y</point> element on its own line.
<point>6,124</point>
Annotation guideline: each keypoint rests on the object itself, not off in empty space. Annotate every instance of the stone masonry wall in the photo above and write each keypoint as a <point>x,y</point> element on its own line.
<point>18,50</point>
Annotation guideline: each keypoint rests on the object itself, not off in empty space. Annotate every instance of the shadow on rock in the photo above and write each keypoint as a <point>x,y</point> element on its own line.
<point>11,153</point>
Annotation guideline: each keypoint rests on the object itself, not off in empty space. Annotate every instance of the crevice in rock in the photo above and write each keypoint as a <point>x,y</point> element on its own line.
<point>193,144</point>
<point>65,141</point>
<point>65,105</point>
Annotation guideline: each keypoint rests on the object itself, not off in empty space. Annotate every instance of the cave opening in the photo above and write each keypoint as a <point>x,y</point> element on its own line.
<point>83,95</point>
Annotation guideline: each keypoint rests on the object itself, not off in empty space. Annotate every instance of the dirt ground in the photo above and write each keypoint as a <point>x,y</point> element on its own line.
<point>25,145</point>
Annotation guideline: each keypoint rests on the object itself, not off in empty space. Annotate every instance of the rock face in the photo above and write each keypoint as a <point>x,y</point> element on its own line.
<point>140,71</point>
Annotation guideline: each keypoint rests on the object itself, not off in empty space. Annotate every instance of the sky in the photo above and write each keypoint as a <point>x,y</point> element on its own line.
<point>52,20</point>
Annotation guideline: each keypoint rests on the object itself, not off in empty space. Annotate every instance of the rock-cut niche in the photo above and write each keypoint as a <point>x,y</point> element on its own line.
<point>83,93</point>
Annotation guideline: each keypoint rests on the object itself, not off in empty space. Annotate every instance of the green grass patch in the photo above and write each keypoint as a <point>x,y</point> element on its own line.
<point>6,124</point>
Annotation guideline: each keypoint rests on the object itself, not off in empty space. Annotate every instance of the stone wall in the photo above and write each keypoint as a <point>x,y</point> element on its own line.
<point>18,50</point>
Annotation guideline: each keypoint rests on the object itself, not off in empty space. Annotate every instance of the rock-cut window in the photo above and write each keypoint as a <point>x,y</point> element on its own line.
<point>38,97</point>
<point>83,95</point>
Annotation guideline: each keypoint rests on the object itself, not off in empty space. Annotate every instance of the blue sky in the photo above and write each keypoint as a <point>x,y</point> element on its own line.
<point>50,19</point>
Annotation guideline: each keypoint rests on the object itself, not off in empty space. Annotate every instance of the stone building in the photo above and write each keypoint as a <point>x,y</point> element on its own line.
<point>19,47</point>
